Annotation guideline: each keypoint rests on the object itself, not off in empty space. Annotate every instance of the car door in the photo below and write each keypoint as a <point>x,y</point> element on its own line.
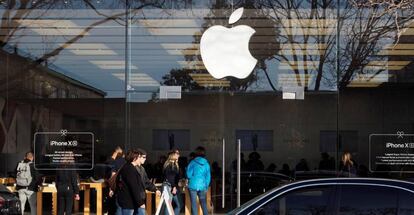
<point>312,200</point>
<point>367,199</point>
<point>405,202</point>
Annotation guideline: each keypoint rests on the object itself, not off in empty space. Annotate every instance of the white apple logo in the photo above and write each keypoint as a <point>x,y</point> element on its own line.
<point>225,51</point>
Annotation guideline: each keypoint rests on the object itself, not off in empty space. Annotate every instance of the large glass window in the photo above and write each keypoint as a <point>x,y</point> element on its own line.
<point>318,78</point>
<point>62,69</point>
<point>174,91</point>
<point>375,61</point>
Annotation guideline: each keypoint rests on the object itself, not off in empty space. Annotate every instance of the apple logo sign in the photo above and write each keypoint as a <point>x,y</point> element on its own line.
<point>225,51</point>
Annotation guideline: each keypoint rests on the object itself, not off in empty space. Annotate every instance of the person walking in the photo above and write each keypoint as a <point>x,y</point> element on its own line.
<point>199,176</point>
<point>115,162</point>
<point>130,194</point>
<point>67,190</point>
<point>145,184</point>
<point>27,182</point>
<point>171,172</point>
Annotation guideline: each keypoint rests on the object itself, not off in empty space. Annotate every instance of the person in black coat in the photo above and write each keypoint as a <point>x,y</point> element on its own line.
<point>130,195</point>
<point>67,190</point>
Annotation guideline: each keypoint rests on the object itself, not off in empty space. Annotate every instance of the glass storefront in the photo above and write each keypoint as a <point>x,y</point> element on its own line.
<point>328,77</point>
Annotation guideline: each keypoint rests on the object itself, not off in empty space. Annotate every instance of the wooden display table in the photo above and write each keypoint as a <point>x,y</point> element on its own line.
<point>46,189</point>
<point>7,181</point>
<point>87,186</point>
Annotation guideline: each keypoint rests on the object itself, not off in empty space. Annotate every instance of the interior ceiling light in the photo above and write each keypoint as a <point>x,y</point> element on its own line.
<point>111,64</point>
<point>192,65</point>
<point>356,84</point>
<point>308,23</point>
<point>307,31</point>
<point>400,46</point>
<point>294,80</point>
<point>408,32</point>
<point>304,46</point>
<point>311,65</point>
<point>308,26</point>
<point>168,23</point>
<point>174,31</point>
<point>52,27</point>
<point>138,79</point>
<point>184,52</point>
<point>301,52</point>
<point>92,52</point>
<point>185,63</point>
<point>180,45</point>
<point>206,80</point>
<point>399,49</point>
<point>89,46</point>
<point>396,52</point>
<point>369,80</point>
<point>89,49</point>
<point>386,65</point>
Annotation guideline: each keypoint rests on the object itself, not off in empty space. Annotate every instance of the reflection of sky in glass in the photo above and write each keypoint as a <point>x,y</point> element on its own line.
<point>163,40</point>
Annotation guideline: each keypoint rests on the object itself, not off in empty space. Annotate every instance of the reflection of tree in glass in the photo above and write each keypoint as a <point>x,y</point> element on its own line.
<point>261,47</point>
<point>366,30</point>
<point>18,14</point>
<point>364,27</point>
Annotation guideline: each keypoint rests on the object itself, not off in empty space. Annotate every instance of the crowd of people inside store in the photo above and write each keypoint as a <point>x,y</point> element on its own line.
<point>128,177</point>
<point>127,181</point>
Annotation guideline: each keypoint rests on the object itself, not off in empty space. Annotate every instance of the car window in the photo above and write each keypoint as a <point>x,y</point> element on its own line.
<point>367,200</point>
<point>405,203</point>
<point>305,201</point>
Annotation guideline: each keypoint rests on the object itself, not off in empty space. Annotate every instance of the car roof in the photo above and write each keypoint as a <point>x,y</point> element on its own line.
<point>406,185</point>
<point>383,181</point>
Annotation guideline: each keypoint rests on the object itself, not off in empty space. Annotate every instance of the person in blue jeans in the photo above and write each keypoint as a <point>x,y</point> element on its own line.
<point>171,171</point>
<point>199,176</point>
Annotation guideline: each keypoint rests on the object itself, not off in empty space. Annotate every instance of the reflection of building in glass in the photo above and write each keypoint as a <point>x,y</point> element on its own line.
<point>26,81</point>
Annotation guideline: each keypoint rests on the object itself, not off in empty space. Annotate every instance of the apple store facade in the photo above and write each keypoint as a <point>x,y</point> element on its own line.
<point>293,84</point>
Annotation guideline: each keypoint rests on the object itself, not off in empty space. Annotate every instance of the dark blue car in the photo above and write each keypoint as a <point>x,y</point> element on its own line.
<point>9,203</point>
<point>335,196</point>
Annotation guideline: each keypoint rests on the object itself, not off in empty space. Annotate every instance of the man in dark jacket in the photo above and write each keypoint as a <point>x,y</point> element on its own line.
<point>130,195</point>
<point>146,184</point>
<point>27,182</point>
<point>67,190</point>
